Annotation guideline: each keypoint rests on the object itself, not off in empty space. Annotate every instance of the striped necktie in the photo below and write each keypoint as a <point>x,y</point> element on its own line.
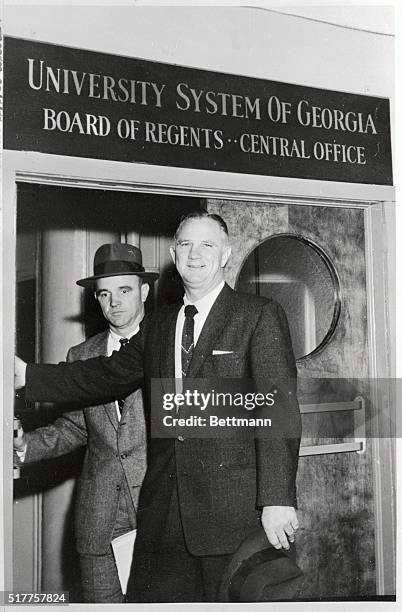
<point>187,341</point>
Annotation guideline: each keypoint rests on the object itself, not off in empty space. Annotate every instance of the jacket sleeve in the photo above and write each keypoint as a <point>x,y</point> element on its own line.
<point>274,371</point>
<point>66,434</point>
<point>90,382</point>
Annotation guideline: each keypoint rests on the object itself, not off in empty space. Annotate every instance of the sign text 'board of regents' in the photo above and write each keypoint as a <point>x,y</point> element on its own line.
<point>81,103</point>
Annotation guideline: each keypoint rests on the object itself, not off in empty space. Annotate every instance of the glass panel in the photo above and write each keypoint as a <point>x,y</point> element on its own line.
<point>298,274</point>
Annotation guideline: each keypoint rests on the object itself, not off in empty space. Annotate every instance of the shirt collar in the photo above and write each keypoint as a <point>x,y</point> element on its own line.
<point>116,337</point>
<point>205,303</point>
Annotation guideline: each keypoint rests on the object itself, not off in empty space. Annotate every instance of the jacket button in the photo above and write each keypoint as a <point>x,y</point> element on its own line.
<point>172,475</point>
<point>180,438</point>
<point>123,456</point>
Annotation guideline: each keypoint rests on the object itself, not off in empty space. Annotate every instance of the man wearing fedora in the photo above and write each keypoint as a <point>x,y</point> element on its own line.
<point>201,496</point>
<point>113,433</point>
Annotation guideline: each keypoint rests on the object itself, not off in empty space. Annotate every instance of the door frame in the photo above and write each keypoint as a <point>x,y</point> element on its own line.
<point>379,210</point>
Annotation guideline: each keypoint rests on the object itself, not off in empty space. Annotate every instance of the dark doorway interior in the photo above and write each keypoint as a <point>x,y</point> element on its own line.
<point>43,208</point>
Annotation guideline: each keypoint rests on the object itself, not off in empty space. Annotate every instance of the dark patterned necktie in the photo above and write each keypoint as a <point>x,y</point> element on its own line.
<point>187,340</point>
<point>121,402</point>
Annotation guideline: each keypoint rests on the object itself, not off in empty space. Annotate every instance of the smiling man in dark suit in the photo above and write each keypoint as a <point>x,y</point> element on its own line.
<point>200,497</point>
<point>113,433</point>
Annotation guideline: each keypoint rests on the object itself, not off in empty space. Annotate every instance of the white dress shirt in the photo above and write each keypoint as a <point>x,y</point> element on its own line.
<point>203,306</point>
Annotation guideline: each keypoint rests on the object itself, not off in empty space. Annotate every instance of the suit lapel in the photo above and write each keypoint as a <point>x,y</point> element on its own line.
<point>110,408</point>
<point>167,352</point>
<point>215,322</point>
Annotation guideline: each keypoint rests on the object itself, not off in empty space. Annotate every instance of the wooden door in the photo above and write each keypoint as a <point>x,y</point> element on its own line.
<point>336,540</point>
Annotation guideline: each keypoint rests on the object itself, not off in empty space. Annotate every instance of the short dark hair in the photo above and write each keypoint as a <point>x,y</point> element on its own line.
<point>203,214</point>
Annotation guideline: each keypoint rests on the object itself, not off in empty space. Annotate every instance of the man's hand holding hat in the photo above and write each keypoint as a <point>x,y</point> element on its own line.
<point>280,524</point>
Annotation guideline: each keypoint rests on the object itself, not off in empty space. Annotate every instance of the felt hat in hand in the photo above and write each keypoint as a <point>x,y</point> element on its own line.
<point>259,572</point>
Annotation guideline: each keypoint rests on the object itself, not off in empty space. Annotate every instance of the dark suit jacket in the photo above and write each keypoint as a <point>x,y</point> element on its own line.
<point>115,455</point>
<point>222,484</point>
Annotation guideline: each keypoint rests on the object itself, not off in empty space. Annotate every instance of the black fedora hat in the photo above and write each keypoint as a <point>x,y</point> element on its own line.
<point>259,572</point>
<point>116,259</point>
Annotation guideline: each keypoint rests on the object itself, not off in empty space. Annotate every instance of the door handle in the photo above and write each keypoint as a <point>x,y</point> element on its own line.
<point>359,419</point>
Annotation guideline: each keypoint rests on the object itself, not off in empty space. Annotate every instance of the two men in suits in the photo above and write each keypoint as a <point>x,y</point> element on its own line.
<point>113,433</point>
<point>200,497</point>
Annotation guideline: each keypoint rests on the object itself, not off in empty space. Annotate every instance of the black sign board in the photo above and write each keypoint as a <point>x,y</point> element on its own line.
<point>81,103</point>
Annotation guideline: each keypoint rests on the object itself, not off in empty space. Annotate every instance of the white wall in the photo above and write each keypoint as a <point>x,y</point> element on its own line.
<point>253,42</point>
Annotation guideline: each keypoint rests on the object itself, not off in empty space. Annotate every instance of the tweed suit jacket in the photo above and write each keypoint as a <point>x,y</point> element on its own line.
<point>222,484</point>
<point>115,456</point>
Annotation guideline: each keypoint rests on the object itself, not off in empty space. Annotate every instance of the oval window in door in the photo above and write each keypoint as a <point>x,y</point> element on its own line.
<point>300,276</point>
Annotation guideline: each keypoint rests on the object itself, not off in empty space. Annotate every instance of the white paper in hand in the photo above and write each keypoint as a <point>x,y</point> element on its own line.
<point>123,547</point>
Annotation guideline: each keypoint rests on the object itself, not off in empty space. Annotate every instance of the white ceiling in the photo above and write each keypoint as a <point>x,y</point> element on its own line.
<point>379,16</point>
<point>380,19</point>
